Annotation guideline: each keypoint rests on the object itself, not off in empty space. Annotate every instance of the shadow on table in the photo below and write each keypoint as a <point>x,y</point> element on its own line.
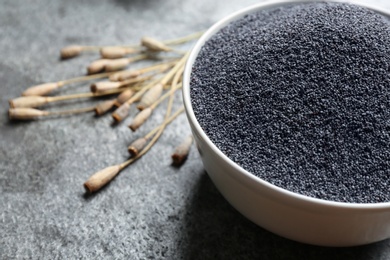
<point>215,230</point>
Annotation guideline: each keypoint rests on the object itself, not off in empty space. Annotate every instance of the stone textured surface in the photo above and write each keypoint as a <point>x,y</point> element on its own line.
<point>152,210</point>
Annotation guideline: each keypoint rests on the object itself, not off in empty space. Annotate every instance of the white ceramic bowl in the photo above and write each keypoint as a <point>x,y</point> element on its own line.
<point>288,214</point>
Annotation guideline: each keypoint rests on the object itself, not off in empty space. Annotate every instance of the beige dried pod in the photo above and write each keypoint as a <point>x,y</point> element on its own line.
<point>181,152</point>
<point>117,64</point>
<point>104,85</point>
<point>136,146</point>
<point>101,178</point>
<point>25,113</point>
<point>104,107</point>
<point>97,66</point>
<point>154,45</point>
<point>150,96</point>
<point>115,52</point>
<point>71,51</point>
<point>123,75</point>
<point>121,112</point>
<point>28,101</point>
<point>42,89</point>
<point>123,97</point>
<point>140,119</point>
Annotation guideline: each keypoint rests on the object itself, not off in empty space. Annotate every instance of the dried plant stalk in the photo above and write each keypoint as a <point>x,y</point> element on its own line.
<point>101,178</point>
<point>104,107</point>
<point>36,101</point>
<point>116,52</point>
<point>23,113</point>
<point>109,85</point>
<point>181,152</point>
<point>43,89</point>
<point>142,116</point>
<point>166,122</point>
<point>75,50</point>
<point>136,146</point>
<point>122,112</point>
<point>128,74</point>
<point>154,45</point>
<point>154,94</point>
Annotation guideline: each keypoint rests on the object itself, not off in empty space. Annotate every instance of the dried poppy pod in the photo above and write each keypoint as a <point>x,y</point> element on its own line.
<point>71,51</point>
<point>117,64</point>
<point>97,66</point>
<point>104,107</point>
<point>116,52</point>
<point>121,112</point>
<point>101,178</point>
<point>150,96</point>
<point>104,85</point>
<point>123,97</point>
<point>123,75</point>
<point>42,89</point>
<point>181,152</point>
<point>28,101</point>
<point>140,118</point>
<point>136,146</point>
<point>154,45</point>
<point>25,113</point>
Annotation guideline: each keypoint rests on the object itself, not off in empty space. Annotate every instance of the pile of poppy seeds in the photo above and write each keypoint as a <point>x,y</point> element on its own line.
<point>300,96</point>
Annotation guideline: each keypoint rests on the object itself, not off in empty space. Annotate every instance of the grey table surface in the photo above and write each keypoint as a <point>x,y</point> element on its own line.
<point>151,210</point>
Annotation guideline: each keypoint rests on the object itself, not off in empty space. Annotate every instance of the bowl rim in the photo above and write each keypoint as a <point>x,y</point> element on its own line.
<point>240,174</point>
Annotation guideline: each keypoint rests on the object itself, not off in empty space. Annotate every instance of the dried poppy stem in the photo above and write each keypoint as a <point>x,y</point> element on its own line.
<point>155,92</point>
<point>117,64</point>
<point>122,112</point>
<point>108,85</point>
<point>36,101</point>
<point>127,74</point>
<point>167,122</point>
<point>75,50</point>
<point>184,39</point>
<point>32,113</point>
<point>181,152</point>
<point>103,177</point>
<point>43,89</point>
<point>142,116</point>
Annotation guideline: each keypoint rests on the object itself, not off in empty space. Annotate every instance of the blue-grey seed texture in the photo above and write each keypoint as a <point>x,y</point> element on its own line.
<point>299,96</point>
